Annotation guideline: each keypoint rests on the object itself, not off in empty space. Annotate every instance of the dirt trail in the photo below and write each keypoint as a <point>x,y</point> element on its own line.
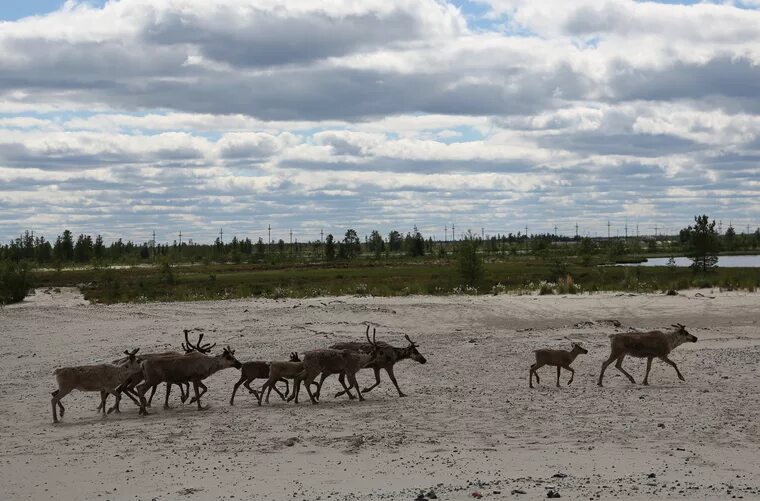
<point>470,423</point>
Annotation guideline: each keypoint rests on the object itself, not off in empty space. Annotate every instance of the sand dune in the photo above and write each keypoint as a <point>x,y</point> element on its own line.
<point>470,422</point>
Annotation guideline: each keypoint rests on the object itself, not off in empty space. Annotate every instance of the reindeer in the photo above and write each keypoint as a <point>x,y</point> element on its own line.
<point>260,370</point>
<point>192,367</point>
<point>646,345</point>
<point>279,371</point>
<point>387,357</point>
<point>331,361</point>
<point>184,388</point>
<point>104,378</point>
<point>561,359</point>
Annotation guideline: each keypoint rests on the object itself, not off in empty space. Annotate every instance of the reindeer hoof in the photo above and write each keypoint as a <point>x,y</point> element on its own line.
<point>402,395</point>
<point>645,383</point>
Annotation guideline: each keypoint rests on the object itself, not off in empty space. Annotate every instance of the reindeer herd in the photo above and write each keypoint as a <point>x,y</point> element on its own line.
<point>133,375</point>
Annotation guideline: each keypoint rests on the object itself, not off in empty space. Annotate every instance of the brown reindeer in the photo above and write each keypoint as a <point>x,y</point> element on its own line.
<point>649,345</point>
<point>331,361</point>
<point>105,378</point>
<point>260,370</point>
<point>387,357</point>
<point>561,359</point>
<point>184,388</point>
<point>192,367</point>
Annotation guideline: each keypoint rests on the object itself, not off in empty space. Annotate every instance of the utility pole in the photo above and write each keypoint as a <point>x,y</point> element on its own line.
<point>221,236</point>
<point>555,231</point>
<point>482,233</point>
<point>153,244</point>
<point>269,241</point>
<point>526,238</point>
<point>453,235</point>
<point>321,235</point>
<point>608,229</point>
<point>446,233</point>
<point>655,232</point>
<point>576,230</point>
<point>180,238</point>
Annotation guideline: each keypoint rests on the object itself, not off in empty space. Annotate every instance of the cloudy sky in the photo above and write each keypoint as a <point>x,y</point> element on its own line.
<point>123,117</point>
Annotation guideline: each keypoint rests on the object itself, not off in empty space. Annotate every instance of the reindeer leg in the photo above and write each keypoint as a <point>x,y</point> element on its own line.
<point>533,369</point>
<point>234,388</point>
<point>619,366</point>
<point>392,377</point>
<point>183,394</point>
<point>342,380</point>
<point>605,364</point>
<point>197,397</point>
<point>274,387</point>
<point>572,373</point>
<point>166,398</point>
<point>56,400</point>
<point>152,392</point>
<point>377,380</point>
<point>203,391</point>
<point>355,385</point>
<point>142,388</point>
<point>664,359</point>
<point>102,405</point>
<point>645,382</point>
<point>559,369</point>
<point>255,393</point>
<point>287,386</point>
<point>307,383</point>
<point>117,394</point>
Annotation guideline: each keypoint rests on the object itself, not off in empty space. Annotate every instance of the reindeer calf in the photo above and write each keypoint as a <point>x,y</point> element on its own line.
<point>561,359</point>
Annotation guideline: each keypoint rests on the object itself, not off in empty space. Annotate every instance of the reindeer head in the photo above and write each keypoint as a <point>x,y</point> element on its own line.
<point>413,353</point>
<point>578,349</point>
<point>684,335</point>
<point>228,356</point>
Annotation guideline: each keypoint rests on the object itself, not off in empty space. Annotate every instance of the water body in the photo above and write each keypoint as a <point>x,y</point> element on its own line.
<point>723,262</point>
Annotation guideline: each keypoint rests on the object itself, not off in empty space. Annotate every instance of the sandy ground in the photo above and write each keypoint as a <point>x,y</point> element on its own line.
<point>470,422</point>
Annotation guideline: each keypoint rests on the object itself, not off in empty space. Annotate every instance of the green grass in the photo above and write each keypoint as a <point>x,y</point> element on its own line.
<point>437,277</point>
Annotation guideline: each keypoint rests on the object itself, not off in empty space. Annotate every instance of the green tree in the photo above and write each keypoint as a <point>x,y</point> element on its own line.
<point>469,262</point>
<point>329,247</point>
<point>394,241</point>
<point>352,246</point>
<point>376,243</point>
<point>98,249</point>
<point>703,244</point>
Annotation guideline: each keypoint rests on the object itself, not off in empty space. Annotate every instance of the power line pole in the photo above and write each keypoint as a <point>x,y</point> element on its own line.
<point>221,236</point>
<point>321,235</point>
<point>269,241</point>
<point>453,235</point>
<point>482,233</point>
<point>180,238</point>
<point>526,238</point>
<point>608,229</point>
<point>153,244</point>
<point>576,230</point>
<point>555,231</point>
<point>446,233</point>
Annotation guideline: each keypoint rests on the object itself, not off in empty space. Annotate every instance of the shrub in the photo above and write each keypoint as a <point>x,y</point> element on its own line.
<point>14,283</point>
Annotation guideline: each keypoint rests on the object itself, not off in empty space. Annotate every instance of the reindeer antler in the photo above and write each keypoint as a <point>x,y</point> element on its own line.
<point>410,341</point>
<point>131,354</point>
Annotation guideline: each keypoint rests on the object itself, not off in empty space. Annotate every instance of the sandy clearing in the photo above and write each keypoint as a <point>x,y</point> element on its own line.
<point>470,422</point>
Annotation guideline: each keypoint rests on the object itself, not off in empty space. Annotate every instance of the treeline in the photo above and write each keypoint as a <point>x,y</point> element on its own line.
<point>68,249</point>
